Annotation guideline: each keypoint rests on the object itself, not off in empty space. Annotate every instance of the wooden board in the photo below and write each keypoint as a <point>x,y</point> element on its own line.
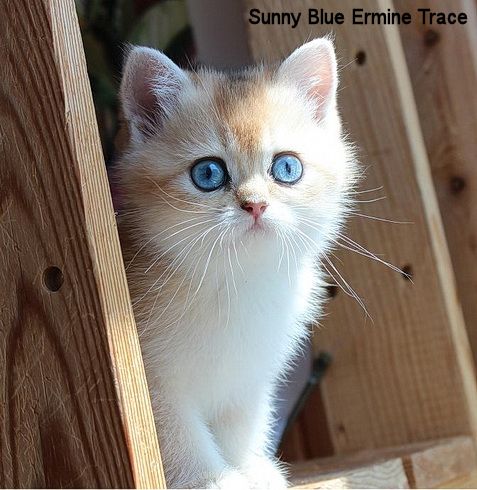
<point>469,481</point>
<point>425,465</point>
<point>383,474</point>
<point>442,61</point>
<point>74,406</point>
<point>407,376</point>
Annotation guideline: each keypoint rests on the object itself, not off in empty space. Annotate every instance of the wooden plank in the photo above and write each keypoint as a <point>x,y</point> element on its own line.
<point>388,474</point>
<point>424,465</point>
<point>74,404</point>
<point>469,481</point>
<point>443,263</point>
<point>441,462</point>
<point>407,376</point>
<point>442,62</point>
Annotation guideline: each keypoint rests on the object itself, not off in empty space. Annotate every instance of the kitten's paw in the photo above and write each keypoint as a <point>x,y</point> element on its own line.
<point>265,473</point>
<point>229,479</point>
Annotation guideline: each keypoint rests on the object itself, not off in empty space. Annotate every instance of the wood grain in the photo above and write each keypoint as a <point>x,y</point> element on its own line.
<point>440,462</point>
<point>75,410</point>
<point>406,376</point>
<point>442,64</point>
<point>468,481</point>
<point>386,474</point>
<point>426,465</point>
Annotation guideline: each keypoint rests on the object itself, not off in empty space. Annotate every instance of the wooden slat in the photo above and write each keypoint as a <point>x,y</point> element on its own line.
<point>425,465</point>
<point>442,62</point>
<point>406,376</point>
<point>440,462</point>
<point>387,474</point>
<point>74,404</point>
<point>469,481</point>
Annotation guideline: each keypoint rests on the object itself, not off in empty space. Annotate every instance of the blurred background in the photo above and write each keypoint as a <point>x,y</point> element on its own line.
<point>107,27</point>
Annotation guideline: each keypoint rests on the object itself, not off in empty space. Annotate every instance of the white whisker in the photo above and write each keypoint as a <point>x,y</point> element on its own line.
<point>282,252</point>
<point>165,252</point>
<point>207,263</point>
<point>211,208</point>
<point>378,218</point>
<point>232,271</point>
<point>172,266</point>
<point>371,200</point>
<point>351,243</point>
<point>365,191</point>
<point>155,237</point>
<point>349,288</point>
<point>237,259</point>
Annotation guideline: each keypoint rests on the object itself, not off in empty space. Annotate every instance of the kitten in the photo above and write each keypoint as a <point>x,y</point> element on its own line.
<point>232,186</point>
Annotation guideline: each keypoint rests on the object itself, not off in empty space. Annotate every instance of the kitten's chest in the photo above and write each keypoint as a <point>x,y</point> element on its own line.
<point>252,321</point>
<point>238,332</point>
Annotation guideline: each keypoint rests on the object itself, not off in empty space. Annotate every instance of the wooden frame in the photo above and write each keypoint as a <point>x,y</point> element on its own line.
<point>392,355</point>
<point>74,406</point>
<point>447,108</point>
<point>434,464</point>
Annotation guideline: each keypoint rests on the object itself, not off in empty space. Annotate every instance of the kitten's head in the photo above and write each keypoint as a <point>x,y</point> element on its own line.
<point>255,158</point>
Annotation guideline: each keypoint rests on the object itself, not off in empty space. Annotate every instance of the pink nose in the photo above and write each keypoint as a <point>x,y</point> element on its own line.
<point>256,209</point>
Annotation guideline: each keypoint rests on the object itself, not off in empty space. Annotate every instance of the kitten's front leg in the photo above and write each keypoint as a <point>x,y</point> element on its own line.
<point>190,455</point>
<point>242,435</point>
<point>264,472</point>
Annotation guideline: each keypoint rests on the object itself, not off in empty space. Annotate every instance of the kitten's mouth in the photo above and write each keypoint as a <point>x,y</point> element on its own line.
<point>257,225</point>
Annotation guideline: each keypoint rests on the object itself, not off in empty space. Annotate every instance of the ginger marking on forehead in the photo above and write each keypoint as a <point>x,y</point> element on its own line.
<point>242,107</point>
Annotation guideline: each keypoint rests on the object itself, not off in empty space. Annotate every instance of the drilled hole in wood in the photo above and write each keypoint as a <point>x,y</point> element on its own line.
<point>457,185</point>
<point>53,278</point>
<point>361,57</point>
<point>332,291</point>
<point>407,272</point>
<point>431,37</point>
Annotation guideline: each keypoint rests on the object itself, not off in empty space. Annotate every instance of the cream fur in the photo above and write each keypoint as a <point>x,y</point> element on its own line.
<point>221,308</point>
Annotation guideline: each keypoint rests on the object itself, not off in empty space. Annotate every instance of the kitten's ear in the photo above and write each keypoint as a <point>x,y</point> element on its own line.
<point>150,89</point>
<point>312,67</point>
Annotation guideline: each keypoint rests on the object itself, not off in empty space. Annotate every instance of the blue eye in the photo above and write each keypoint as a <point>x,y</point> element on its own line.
<point>209,175</point>
<point>287,169</point>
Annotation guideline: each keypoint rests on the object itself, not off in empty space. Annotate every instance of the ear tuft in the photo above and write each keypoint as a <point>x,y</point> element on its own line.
<point>150,90</point>
<point>313,68</point>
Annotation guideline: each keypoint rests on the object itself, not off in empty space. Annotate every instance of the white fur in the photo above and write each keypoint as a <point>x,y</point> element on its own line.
<point>230,305</point>
<point>217,367</point>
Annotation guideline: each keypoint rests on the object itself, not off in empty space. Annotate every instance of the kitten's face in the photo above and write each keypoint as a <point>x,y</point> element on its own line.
<point>250,160</point>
